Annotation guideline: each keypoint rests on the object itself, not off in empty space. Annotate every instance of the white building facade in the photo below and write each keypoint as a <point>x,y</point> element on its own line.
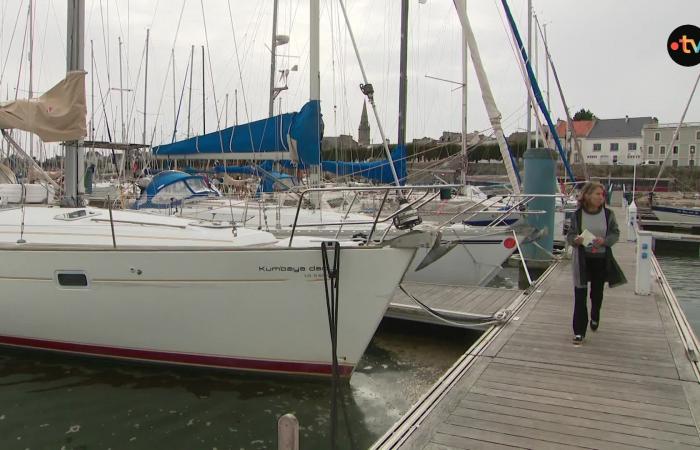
<point>681,152</point>
<point>616,141</point>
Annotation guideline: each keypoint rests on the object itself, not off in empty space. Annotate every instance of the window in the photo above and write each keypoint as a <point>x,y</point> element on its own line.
<point>72,279</point>
<point>662,150</point>
<point>692,150</point>
<point>597,147</point>
<point>614,159</point>
<point>675,149</point>
<point>697,135</point>
<point>614,146</point>
<point>691,163</point>
<point>675,163</point>
<point>657,137</point>
<point>651,149</point>
<point>631,146</point>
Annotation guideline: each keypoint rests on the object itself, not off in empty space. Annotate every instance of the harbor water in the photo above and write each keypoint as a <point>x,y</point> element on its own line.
<point>681,269</point>
<point>50,401</point>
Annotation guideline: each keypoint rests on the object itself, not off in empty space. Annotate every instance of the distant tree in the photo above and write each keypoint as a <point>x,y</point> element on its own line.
<point>584,114</point>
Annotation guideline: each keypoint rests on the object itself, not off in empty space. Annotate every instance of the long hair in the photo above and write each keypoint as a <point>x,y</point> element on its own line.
<point>588,188</point>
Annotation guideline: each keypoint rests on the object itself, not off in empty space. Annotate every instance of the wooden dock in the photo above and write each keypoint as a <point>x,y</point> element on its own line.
<point>458,303</point>
<point>524,385</point>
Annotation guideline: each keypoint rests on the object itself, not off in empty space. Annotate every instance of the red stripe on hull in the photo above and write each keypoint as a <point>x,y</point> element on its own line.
<point>188,359</point>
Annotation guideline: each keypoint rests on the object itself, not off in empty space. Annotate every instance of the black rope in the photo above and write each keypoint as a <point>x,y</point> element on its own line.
<point>331,285</point>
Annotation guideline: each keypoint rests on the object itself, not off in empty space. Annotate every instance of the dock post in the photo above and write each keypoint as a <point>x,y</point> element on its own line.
<point>632,221</point>
<point>642,284</point>
<point>540,178</point>
<point>288,433</point>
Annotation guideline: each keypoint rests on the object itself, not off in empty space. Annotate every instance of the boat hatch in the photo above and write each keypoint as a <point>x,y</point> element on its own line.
<point>76,215</point>
<point>71,279</point>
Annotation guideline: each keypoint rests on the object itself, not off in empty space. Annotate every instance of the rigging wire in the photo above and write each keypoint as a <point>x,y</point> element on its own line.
<point>165,80</point>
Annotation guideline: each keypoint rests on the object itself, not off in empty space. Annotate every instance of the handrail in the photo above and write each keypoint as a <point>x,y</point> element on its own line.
<point>386,189</point>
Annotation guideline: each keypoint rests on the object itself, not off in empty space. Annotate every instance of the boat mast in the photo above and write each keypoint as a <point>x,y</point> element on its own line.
<point>31,68</point>
<point>189,101</point>
<point>465,60</point>
<point>204,110</point>
<point>145,87</point>
<point>403,78</point>
<point>74,61</point>
<point>273,56</point>
<point>530,106</point>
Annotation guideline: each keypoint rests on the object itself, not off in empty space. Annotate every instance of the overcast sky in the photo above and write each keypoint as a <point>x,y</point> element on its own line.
<point>610,55</point>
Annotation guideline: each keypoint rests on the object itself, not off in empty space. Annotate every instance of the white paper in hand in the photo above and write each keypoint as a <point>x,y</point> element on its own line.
<point>588,238</point>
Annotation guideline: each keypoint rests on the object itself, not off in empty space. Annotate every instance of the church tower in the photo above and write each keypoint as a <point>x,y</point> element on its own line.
<point>363,130</point>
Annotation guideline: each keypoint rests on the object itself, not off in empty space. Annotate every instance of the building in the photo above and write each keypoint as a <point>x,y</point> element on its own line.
<point>363,130</point>
<point>581,130</point>
<point>616,141</point>
<point>341,143</point>
<point>683,151</point>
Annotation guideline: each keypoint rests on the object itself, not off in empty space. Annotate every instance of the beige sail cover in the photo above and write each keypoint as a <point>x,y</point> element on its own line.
<point>58,115</point>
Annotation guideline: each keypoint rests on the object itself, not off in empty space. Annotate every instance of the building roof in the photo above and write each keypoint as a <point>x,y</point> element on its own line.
<point>581,127</point>
<point>627,127</point>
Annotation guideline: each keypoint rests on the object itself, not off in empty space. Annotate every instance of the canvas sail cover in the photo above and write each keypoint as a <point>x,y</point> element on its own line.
<point>379,170</point>
<point>57,115</point>
<point>292,136</point>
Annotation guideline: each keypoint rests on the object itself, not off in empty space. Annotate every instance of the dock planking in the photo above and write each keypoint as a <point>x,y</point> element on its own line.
<point>453,301</point>
<point>630,385</point>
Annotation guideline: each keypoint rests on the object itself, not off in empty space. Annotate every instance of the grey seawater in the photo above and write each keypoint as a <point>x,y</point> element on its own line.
<point>50,401</point>
<point>682,269</point>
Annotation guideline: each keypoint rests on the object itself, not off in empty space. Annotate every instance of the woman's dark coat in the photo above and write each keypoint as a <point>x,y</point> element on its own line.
<point>614,275</point>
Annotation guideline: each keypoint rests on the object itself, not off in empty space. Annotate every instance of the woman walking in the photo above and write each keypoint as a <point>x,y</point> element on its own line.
<point>592,233</point>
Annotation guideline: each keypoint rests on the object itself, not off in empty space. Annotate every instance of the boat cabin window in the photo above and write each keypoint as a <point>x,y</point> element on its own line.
<point>76,215</point>
<point>174,192</point>
<point>71,279</point>
<point>197,185</point>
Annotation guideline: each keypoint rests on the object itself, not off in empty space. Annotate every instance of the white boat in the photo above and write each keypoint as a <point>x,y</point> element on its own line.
<point>677,214</point>
<point>477,257</point>
<point>183,292</point>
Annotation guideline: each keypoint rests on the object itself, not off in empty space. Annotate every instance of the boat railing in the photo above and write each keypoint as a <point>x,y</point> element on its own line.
<point>428,192</point>
<point>516,204</point>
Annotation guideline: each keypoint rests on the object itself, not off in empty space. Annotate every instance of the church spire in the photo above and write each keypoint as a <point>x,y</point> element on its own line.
<point>363,130</point>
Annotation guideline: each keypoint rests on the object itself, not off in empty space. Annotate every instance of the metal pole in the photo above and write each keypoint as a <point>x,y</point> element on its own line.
<point>549,107</point>
<point>92,91</point>
<point>189,99</point>
<point>235,95</point>
<point>172,55</point>
<point>145,86</point>
<point>74,61</point>
<point>204,110</point>
<point>121,89</point>
<point>273,55</point>
<point>537,74</point>
<point>403,78</point>
<point>529,52</point>
<point>31,68</point>
<point>465,59</point>
<point>226,112</point>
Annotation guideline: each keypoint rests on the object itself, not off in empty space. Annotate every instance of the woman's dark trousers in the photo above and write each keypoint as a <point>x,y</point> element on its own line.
<point>595,271</point>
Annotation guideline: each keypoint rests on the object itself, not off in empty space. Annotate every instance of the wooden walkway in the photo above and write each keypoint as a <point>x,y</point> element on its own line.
<point>453,302</point>
<point>524,385</point>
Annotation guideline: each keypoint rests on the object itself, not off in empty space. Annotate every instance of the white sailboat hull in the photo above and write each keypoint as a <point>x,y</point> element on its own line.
<point>677,214</point>
<point>162,296</point>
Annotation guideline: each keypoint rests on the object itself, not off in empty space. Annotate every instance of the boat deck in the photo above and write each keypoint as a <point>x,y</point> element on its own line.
<point>454,302</point>
<point>630,385</point>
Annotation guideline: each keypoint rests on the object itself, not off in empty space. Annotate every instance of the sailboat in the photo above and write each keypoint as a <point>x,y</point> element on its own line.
<point>134,286</point>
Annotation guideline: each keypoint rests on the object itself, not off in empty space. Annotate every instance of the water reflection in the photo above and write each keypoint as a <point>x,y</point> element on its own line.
<point>50,401</point>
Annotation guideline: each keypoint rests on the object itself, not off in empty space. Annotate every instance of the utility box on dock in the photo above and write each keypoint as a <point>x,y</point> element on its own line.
<point>642,283</point>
